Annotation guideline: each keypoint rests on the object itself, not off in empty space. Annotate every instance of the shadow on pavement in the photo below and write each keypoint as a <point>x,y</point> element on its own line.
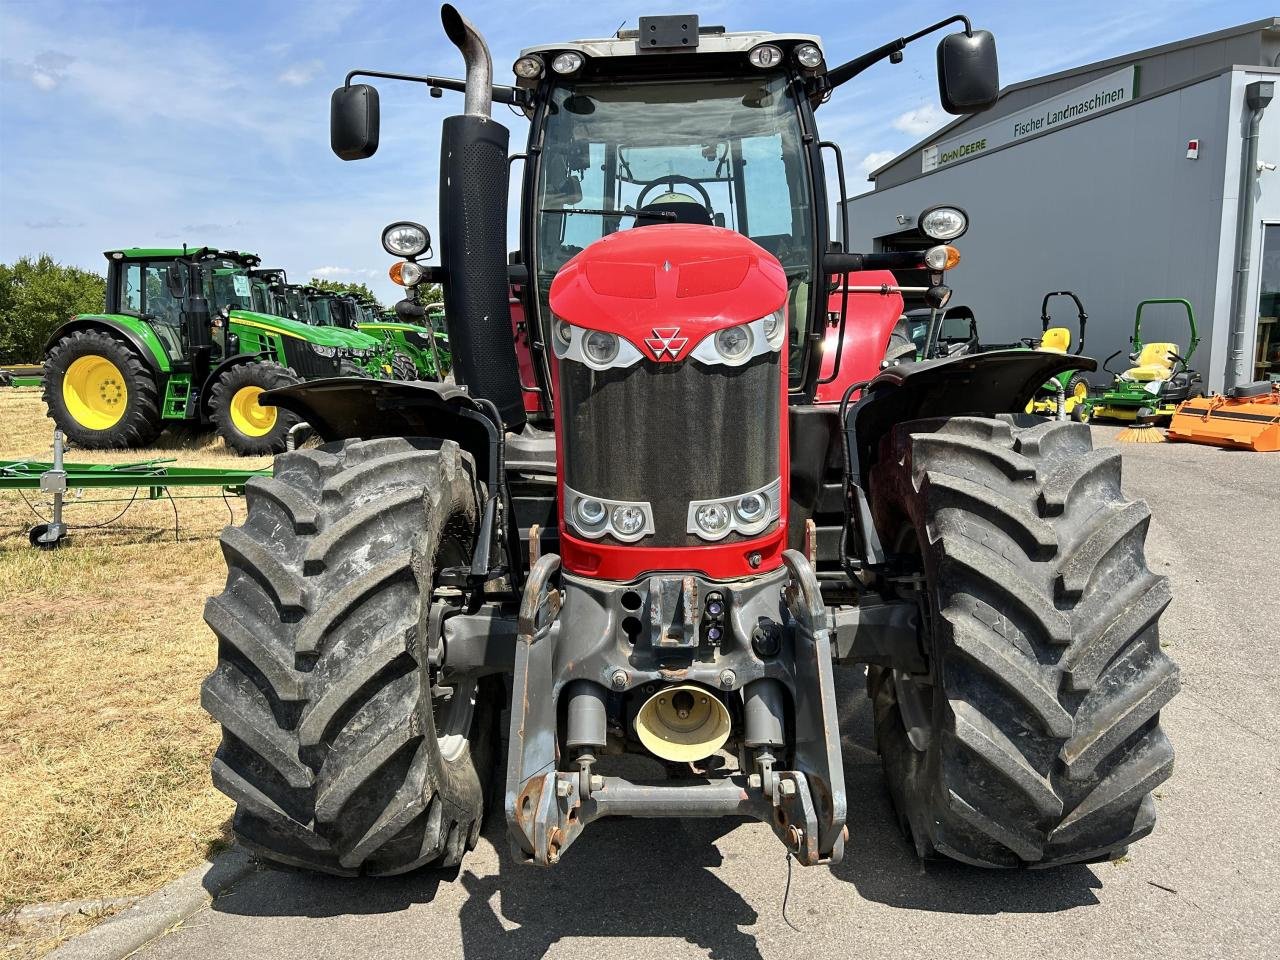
<point>652,878</point>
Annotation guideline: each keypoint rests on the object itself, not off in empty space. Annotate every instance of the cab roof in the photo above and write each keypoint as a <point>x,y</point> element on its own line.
<point>176,253</point>
<point>626,43</point>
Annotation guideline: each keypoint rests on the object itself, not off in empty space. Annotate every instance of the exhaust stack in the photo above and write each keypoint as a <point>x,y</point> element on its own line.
<point>473,233</point>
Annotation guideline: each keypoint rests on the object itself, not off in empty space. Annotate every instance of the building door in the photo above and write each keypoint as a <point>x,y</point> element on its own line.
<point>1266,357</point>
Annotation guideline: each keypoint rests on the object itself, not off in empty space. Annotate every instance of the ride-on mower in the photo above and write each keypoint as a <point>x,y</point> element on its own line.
<point>1073,385</point>
<point>181,341</point>
<point>663,541</point>
<point>1159,379</point>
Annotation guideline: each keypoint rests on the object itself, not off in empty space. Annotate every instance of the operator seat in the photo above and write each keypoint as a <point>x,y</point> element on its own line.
<point>1056,340</point>
<point>1155,362</point>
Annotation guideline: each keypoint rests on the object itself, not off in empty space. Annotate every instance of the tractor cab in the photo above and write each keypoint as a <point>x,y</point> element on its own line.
<point>269,285</point>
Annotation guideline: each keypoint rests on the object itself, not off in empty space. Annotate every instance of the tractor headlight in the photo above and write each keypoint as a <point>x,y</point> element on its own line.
<point>595,517</point>
<point>943,223</point>
<point>941,258</point>
<point>592,513</point>
<point>568,62</point>
<point>324,351</point>
<point>406,239</point>
<point>627,521</point>
<point>563,331</point>
<point>751,507</point>
<point>775,327</point>
<point>765,55</point>
<point>808,56</point>
<point>712,520</point>
<point>748,514</point>
<point>527,68</point>
<point>600,348</point>
<point>734,344</point>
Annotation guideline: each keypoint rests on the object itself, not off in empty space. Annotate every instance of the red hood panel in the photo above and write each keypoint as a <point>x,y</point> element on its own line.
<point>697,279</point>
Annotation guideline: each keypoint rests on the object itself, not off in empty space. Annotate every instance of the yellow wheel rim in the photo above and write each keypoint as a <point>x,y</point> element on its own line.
<point>95,393</point>
<point>249,418</point>
<point>1081,391</point>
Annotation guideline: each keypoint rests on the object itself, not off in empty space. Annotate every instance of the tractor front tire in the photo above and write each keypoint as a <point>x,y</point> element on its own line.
<point>341,748</point>
<point>247,427</point>
<point>99,392</point>
<point>1034,739</point>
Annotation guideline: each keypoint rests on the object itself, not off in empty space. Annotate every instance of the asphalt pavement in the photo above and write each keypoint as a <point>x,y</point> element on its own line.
<point>1205,884</point>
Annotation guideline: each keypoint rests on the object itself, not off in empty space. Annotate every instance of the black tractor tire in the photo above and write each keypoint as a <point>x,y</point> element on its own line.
<point>1037,738</point>
<point>1082,413</point>
<point>402,368</point>
<point>131,382</point>
<point>900,348</point>
<point>323,688</point>
<point>234,415</point>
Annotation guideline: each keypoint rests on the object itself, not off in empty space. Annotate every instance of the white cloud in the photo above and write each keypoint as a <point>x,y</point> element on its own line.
<point>329,273</point>
<point>300,74</point>
<point>873,161</point>
<point>920,121</point>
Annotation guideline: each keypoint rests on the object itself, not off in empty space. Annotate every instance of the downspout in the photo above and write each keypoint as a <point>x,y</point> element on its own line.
<point>1257,95</point>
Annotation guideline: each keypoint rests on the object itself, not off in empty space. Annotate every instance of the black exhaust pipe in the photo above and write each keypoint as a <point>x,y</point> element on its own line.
<point>473,234</point>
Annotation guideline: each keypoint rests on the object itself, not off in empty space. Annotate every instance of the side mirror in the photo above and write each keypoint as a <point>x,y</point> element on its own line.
<point>354,121</point>
<point>968,74</point>
<point>175,278</point>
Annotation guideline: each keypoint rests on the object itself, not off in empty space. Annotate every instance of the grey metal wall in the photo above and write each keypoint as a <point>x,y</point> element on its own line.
<point>1110,208</point>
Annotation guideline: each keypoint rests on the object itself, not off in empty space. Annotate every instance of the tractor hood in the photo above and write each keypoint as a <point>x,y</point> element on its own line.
<point>325,336</point>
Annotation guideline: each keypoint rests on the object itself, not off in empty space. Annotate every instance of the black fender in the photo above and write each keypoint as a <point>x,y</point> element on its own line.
<point>973,385</point>
<point>130,337</point>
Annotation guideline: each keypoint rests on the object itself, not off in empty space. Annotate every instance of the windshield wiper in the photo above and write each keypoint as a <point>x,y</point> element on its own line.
<point>638,214</point>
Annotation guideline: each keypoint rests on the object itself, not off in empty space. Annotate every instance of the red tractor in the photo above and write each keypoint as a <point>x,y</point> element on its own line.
<point>656,528</point>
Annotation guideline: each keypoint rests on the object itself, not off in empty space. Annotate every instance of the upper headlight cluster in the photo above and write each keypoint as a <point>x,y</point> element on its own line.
<point>734,346</point>
<point>598,349</point>
<point>594,517</point>
<point>747,514</point>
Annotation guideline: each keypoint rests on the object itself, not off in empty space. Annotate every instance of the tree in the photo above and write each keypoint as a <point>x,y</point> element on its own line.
<point>355,289</point>
<point>36,297</point>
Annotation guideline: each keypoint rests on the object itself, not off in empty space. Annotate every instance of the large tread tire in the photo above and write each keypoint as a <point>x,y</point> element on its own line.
<point>255,375</point>
<point>1046,673</point>
<point>140,423</point>
<point>322,687</point>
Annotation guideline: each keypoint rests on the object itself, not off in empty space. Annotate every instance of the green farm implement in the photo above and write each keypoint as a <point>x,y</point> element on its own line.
<point>22,375</point>
<point>182,340</point>
<point>1159,378</point>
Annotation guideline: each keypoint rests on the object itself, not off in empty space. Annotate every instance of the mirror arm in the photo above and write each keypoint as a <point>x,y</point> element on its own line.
<point>510,95</point>
<point>850,69</point>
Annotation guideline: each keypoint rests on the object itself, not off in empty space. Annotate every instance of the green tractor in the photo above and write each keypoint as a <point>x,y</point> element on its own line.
<point>181,340</point>
<point>1073,383</point>
<point>1159,379</point>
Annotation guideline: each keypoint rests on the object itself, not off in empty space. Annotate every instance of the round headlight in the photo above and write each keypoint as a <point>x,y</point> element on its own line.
<point>591,512</point>
<point>564,332</point>
<point>406,239</point>
<point>410,273</point>
<point>751,507</point>
<point>808,56</point>
<point>764,56</point>
<point>601,348</point>
<point>734,344</point>
<point>943,223</point>
<point>712,519</point>
<point>528,68</point>
<point>324,351</point>
<point>568,62</point>
<point>775,327</point>
<point>627,521</point>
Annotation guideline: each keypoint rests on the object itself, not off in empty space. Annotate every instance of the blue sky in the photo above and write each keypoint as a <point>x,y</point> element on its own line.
<point>138,122</point>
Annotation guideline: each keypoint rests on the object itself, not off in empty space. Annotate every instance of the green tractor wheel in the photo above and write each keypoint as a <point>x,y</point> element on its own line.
<point>247,427</point>
<point>99,392</point>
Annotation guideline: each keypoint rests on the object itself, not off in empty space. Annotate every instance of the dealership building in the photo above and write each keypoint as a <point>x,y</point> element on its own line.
<point>1147,175</point>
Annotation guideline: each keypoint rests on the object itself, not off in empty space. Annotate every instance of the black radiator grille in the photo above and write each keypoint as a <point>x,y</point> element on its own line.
<point>670,433</point>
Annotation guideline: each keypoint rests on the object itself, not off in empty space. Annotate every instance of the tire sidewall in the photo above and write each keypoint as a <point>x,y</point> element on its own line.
<point>268,376</point>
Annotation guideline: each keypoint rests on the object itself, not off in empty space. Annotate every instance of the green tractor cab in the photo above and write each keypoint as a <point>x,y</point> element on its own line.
<point>1073,383</point>
<point>945,333</point>
<point>182,339</point>
<point>1159,378</point>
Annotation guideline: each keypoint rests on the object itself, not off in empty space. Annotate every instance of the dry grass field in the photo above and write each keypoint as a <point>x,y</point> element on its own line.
<point>104,750</point>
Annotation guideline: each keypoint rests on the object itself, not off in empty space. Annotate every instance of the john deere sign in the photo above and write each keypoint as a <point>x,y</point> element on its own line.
<point>1096,96</point>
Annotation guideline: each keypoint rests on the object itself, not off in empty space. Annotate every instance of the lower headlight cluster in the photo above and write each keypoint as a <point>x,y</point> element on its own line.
<point>595,517</point>
<point>324,351</point>
<point>747,514</point>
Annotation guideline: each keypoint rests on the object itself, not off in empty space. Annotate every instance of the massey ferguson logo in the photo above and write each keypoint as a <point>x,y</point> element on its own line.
<point>666,340</point>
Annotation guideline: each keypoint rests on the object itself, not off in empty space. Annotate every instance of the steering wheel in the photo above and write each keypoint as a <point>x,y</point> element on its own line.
<point>671,180</point>
<point>1031,342</point>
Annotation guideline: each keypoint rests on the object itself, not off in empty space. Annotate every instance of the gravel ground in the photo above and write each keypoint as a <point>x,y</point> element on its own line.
<point>1206,884</point>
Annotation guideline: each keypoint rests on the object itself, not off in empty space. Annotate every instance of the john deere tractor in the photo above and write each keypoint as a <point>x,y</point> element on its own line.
<point>182,341</point>
<point>657,530</point>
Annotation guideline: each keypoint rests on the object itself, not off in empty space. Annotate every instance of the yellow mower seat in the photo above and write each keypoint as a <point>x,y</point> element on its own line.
<point>1154,363</point>
<point>1056,340</point>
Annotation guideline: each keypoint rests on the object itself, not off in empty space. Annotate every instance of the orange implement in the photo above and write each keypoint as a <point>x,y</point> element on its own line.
<point>1249,421</point>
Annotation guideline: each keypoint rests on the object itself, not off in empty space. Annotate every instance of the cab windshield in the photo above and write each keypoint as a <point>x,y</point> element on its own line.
<point>321,312</point>
<point>727,152</point>
<point>227,284</point>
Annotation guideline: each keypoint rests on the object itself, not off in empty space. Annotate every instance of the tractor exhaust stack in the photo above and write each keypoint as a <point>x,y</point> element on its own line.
<point>473,233</point>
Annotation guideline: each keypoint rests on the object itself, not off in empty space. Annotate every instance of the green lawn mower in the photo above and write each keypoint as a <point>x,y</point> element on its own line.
<point>180,341</point>
<point>1073,383</point>
<point>1159,378</point>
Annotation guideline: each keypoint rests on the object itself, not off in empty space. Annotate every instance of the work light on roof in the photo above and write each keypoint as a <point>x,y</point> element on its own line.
<point>568,62</point>
<point>943,223</point>
<point>528,68</point>
<point>808,56</point>
<point>406,239</point>
<point>765,55</point>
